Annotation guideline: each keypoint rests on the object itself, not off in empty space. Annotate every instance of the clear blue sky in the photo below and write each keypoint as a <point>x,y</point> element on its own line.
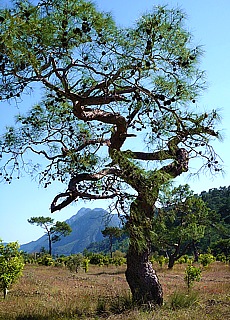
<point>209,22</point>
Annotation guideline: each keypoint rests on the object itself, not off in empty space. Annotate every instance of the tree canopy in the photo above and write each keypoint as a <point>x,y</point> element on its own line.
<point>102,87</point>
<point>181,221</point>
<point>217,235</point>
<point>219,200</point>
<point>118,115</point>
<point>112,233</point>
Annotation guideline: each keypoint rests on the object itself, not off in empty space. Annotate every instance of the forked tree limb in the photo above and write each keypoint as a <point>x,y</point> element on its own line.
<point>73,193</point>
<point>69,197</point>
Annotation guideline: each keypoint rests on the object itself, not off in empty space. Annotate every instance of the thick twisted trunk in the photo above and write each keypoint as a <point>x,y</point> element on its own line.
<point>140,275</point>
<point>142,279</point>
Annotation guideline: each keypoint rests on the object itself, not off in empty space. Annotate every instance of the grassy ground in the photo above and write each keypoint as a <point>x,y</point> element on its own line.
<point>45,293</point>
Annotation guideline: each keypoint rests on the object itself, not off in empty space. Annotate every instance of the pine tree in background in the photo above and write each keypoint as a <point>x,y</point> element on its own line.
<point>112,233</point>
<point>54,230</point>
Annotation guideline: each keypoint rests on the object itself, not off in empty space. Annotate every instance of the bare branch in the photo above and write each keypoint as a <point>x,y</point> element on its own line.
<point>158,155</point>
<point>91,177</point>
<point>72,193</point>
<point>178,166</point>
<point>72,196</point>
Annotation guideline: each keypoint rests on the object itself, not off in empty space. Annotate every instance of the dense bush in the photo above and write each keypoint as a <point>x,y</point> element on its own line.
<point>162,260</point>
<point>99,259</point>
<point>61,261</point>
<point>183,259</point>
<point>74,262</point>
<point>222,257</point>
<point>45,260</point>
<point>118,261</point>
<point>206,258</point>
<point>11,265</point>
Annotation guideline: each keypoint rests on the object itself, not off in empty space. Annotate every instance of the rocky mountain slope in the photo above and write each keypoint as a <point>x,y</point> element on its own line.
<point>86,226</point>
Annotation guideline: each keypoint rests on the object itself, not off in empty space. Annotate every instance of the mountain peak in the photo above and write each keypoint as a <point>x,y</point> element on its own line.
<point>86,225</point>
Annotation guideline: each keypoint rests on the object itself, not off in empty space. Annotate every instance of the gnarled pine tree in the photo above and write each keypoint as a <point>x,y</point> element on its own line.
<point>106,90</point>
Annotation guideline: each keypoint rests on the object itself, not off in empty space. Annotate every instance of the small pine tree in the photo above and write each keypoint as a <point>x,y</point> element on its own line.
<point>192,274</point>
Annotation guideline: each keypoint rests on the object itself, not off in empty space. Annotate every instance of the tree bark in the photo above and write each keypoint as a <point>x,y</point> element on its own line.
<point>111,246</point>
<point>50,243</point>
<point>140,275</point>
<point>171,262</point>
<point>5,291</point>
<point>142,278</point>
<point>195,251</point>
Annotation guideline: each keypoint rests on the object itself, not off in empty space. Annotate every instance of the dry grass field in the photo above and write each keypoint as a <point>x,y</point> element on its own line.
<point>45,293</point>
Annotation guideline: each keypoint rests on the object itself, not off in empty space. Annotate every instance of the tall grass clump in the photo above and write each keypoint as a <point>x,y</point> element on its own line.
<point>121,303</point>
<point>180,300</point>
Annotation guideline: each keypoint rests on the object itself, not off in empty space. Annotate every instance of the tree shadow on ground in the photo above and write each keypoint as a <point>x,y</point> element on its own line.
<point>108,273</point>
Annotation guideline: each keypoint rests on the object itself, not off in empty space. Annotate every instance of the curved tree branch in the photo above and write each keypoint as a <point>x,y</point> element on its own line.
<point>73,193</point>
<point>91,177</point>
<point>72,196</point>
<point>159,155</point>
<point>178,166</point>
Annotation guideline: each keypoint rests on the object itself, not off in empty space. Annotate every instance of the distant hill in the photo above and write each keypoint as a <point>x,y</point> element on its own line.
<point>86,226</point>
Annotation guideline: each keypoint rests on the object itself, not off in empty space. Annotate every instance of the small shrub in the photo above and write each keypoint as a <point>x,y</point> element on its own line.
<point>61,261</point>
<point>58,264</point>
<point>99,259</point>
<point>162,261</point>
<point>192,274</point>
<point>11,265</point>
<point>105,261</point>
<point>85,264</point>
<point>153,257</point>
<point>74,262</point>
<point>28,258</point>
<point>221,257</point>
<point>45,260</point>
<point>181,300</point>
<point>183,259</point>
<point>118,261</point>
<point>206,258</point>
